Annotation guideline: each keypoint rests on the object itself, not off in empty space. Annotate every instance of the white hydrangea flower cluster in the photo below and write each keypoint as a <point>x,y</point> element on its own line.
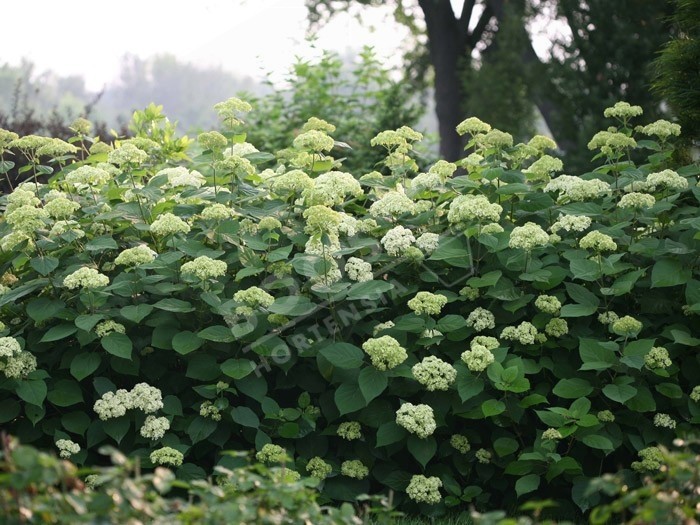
<point>19,198</point>
<point>460,443</point>
<point>87,177</point>
<point>525,333</point>
<point>427,303</point>
<point>204,268</point>
<point>229,109</point>
<point>483,456</point>
<point>354,469</point>
<point>528,237</point>
<point>551,434</point>
<point>473,126</point>
<point>107,327</point>
<point>67,448</point>
<point>470,293</point>
<point>393,204</point>
<point>666,179</point>
<point>481,319</point>
<point>695,394</point>
<point>626,326</point>
<point>169,224</point>
<point>577,223</point>
<point>253,298</point>
<point>27,219</point>
<point>575,189</point>
<point>350,430</point>
<point>154,427</point>
<point>491,228</point>
<point>662,129</point>
<point>636,200</point>
<point>473,208</point>
<point>541,143</point>
<point>543,167</point>
<point>15,363</point>
<point>348,225</point>
<point>385,352</point>
<point>135,256</point>
<point>293,181</point>
<point>556,327</point>
<point>217,212</point>
<point>61,208</point>
<point>318,468</point>
<point>167,456</point>
<point>495,139</point>
<point>397,240</point>
<point>428,242</point>
<point>479,356</point>
<point>417,419</point>
<point>664,421</point>
<point>181,176</point>
<point>332,189</point>
<point>657,358</point>
<point>271,453</point>
<point>598,241</point>
<point>314,140</point>
<point>434,373</point>
<point>425,181</point>
<point>623,111</point>
<point>382,326</point>
<point>127,154</point>
<point>212,140</point>
<point>358,270</point>
<point>548,304</point>
<point>240,149</point>
<point>423,489</point>
<point>62,227</point>
<point>210,410</point>
<point>85,278</point>
<point>611,143</point>
<point>142,397</point>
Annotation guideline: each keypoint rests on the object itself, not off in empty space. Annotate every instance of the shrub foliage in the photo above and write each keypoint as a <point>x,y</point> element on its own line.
<point>504,333</point>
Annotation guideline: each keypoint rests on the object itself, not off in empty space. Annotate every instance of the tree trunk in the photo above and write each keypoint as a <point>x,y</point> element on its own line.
<point>446,48</point>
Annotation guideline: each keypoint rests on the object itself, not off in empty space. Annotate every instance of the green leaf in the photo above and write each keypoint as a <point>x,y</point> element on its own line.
<point>581,295</point>
<point>136,313</point>
<point>577,310</point>
<point>200,429</point>
<point>292,305</point>
<point>348,398</point>
<point>450,323</point>
<point>84,364</point>
<point>389,433</point>
<point>44,265</point>
<point>76,422</point>
<point>492,407</point>
<point>421,449</point>
<point>468,385</point>
<point>33,391</point>
<point>505,446</point>
<point>88,321</point>
<point>597,355</point>
<point>116,428</point>
<point>671,390</point>
<point>488,279</point>
<point>596,441</point>
<point>527,484</point>
<point>117,344</point>
<point>172,406</point>
<point>59,332</point>
<point>100,244</point>
<point>42,308</point>
<point>65,393</point>
<point>245,416</point>
<point>185,342</point>
<point>619,393</point>
<point>669,272</point>
<point>343,355</point>
<point>370,290</point>
<point>372,383</point>
<point>584,269</point>
<point>237,368</point>
<point>572,388</point>
<point>217,333</point>
<point>174,305</point>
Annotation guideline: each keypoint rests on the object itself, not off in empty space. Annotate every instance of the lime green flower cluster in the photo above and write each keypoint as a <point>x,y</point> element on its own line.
<point>212,140</point>
<point>575,189</point>
<point>608,318</point>
<point>294,181</point>
<point>434,373</point>
<point>154,427</point>
<point>27,219</point>
<point>141,397</point>
<point>611,143</point>
<point>19,198</point>
<point>481,319</point>
<point>542,143</point>
<point>382,326</point>
<point>107,327</point>
<point>423,489</point>
<point>15,363</point>
<point>626,326</point>
<point>605,416</point>
<point>393,204</point>
<point>332,189</point>
<point>385,352</point>
<point>127,154</point>
<point>322,219</point>
<point>636,200</point>
<point>56,148</point>
<point>86,177</point>
<point>204,268</point>
<point>235,164</point>
<point>623,111</point>
<point>478,358</point>
<point>67,448</point>
<point>652,459</point>
<point>657,358</point>
<point>143,143</point>
<point>465,209</point>
<point>598,242</point>
<point>548,304</point>
<point>167,456</point>
<point>569,223</point>
<point>269,224</point>
<point>135,256</point>
<point>427,303</point>
<point>314,140</point>
<point>428,242</point>
<point>543,167</point>
<point>664,421</point>
<point>528,237</point>
<point>551,434</point>
<point>181,176</point>
<point>318,124</point>
<point>473,126</point>
<point>483,456</point>
<point>61,208</point>
<point>417,419</point>
<point>460,443</point>
<point>354,469</point>
<point>228,110</point>
<point>556,327</point>
<point>470,293</point>
<point>85,278</point>
<point>318,468</point>
<point>666,179</point>
<point>358,270</point>
<point>662,129</point>
<point>398,240</point>
<point>270,453</point>
<point>525,333</point>
<point>695,394</point>
<point>217,212</point>
<point>495,139</point>
<point>253,298</point>
<point>169,224</point>
<point>350,430</point>
<point>210,410</point>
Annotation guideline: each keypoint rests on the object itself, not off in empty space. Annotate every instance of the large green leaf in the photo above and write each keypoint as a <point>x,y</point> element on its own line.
<point>372,383</point>
<point>200,429</point>
<point>597,355</point>
<point>237,368</point>
<point>65,393</point>
<point>422,450</point>
<point>369,290</point>
<point>572,388</point>
<point>669,272</point>
<point>84,364</point>
<point>348,398</point>
<point>33,391</point>
<point>527,484</point>
<point>343,355</point>
<point>217,333</point>
<point>117,344</point>
<point>389,433</point>
<point>245,416</point>
<point>292,305</point>
<point>185,342</point>
<point>59,332</point>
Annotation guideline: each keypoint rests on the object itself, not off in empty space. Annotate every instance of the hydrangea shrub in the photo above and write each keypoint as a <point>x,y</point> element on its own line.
<point>500,332</point>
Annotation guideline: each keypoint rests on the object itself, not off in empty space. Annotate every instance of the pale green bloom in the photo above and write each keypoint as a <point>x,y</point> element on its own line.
<point>551,434</point>
<point>544,167</point>
<point>154,427</point>
<point>598,242</point>
<point>695,394</point>
<point>107,327</point>
<point>146,398</point>
<point>626,326</point>
<point>217,212</point>
<point>491,228</point>
<point>424,489</point>
<point>99,147</point>
<point>212,140</point>
<point>113,404</point>
<point>269,223</point>
<point>19,198</point>
<point>271,453</point>
<point>81,126</point>
<point>241,149</point>
<point>417,419</point>
<point>87,177</point>
<point>608,317</point>
<point>293,181</point>
<point>569,223</point>
<point>636,200</point>
<point>318,124</point>
<point>6,137</point>
<point>397,240</point>
<point>434,373</point>
<point>657,358</point>
<point>235,164</point>
<point>210,410</point>
<point>528,237</point>
<point>204,268</point>
<point>611,142</point>
<point>460,443</point>
<point>127,154</point>
<point>254,297</point>
<point>9,347</point>
<point>664,421</point>
<point>478,358</point>
<point>67,448</point>
<point>473,126</point>
<point>470,293</point>
<point>349,430</point>
<point>167,456</point>
<point>314,140</point>
<point>428,242</point>
<point>29,144</point>
<point>495,139</point>
<point>27,219</point>
<point>666,179</point>
<point>525,333</point>
<point>10,241</point>
<point>623,111</point>
<point>19,365</point>
<point>135,256</point>
<point>391,139</point>
<point>61,208</point>
<point>427,303</point>
<point>181,176</point>
<point>85,278</point>
<point>576,189</point>
<point>332,189</point>
<point>318,468</point>
<point>662,129</point>
<point>548,304</point>
<point>382,326</point>
<point>229,109</point>
<point>169,224</point>
<point>358,270</point>
<point>473,208</point>
<point>385,352</point>
<point>354,469</point>
<point>556,327</point>
<point>321,219</point>
<point>483,456</point>
<point>61,227</point>
<point>652,459</point>
<point>481,319</point>
<point>541,143</point>
<point>605,416</point>
<point>393,204</point>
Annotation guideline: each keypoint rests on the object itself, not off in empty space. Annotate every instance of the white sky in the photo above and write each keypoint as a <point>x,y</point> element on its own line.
<point>89,37</point>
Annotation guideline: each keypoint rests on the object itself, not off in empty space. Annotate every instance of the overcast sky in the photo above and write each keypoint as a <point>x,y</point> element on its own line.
<point>89,37</point>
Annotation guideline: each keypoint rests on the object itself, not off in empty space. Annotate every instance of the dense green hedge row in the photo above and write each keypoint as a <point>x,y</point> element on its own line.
<point>459,338</point>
